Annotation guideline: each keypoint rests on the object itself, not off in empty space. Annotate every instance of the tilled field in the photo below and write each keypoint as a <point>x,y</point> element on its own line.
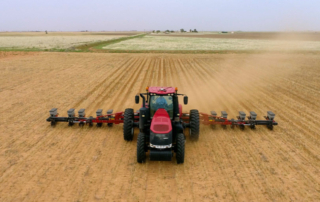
<point>182,44</point>
<point>290,36</point>
<point>41,163</point>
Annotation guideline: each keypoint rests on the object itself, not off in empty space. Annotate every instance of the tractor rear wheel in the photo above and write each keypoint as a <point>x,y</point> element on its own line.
<point>141,142</point>
<point>194,125</point>
<point>128,124</point>
<point>180,148</point>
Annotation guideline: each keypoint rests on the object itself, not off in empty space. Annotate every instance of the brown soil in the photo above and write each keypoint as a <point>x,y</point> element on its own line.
<point>304,36</point>
<point>41,163</point>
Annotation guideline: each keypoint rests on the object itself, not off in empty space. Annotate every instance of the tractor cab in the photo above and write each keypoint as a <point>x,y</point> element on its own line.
<point>164,98</point>
<point>157,102</point>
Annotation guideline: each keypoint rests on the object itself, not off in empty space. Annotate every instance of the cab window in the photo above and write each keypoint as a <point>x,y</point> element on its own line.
<point>161,101</point>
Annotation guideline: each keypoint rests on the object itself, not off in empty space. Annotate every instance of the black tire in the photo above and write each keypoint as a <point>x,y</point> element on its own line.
<point>180,148</point>
<point>90,123</point>
<point>99,124</point>
<point>270,127</point>
<point>194,125</point>
<point>53,123</point>
<point>128,124</point>
<point>241,127</point>
<point>141,143</point>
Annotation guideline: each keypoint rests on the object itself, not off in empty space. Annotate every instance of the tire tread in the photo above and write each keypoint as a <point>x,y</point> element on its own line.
<point>141,154</point>
<point>180,148</point>
<point>128,124</point>
<point>194,125</point>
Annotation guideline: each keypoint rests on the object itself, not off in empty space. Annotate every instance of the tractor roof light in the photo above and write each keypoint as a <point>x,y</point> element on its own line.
<point>176,89</point>
<point>147,88</point>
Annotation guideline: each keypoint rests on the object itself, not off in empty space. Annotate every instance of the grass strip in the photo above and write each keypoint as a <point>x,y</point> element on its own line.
<point>99,45</point>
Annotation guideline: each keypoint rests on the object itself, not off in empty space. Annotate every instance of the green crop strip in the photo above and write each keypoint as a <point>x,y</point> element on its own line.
<point>101,44</point>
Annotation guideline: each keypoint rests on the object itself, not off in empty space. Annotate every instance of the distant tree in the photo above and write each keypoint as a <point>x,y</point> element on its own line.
<point>153,31</point>
<point>171,31</point>
<point>46,32</point>
<point>158,31</point>
<point>190,30</point>
<point>195,30</point>
<point>182,30</point>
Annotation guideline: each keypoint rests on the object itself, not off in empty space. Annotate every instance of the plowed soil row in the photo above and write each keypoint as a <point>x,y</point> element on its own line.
<point>41,163</point>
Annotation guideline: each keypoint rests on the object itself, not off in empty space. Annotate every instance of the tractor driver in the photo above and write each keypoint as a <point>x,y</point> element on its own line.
<point>161,103</point>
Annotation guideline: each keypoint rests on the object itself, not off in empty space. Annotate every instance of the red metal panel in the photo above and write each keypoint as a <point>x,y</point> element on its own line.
<point>161,123</point>
<point>161,90</point>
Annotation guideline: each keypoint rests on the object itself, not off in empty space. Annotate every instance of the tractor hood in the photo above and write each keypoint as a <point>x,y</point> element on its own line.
<point>161,122</point>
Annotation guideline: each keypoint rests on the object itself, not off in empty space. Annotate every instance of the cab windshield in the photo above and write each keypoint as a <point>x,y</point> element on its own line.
<point>163,101</point>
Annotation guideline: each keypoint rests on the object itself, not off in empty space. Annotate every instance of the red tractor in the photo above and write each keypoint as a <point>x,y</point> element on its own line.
<point>160,124</point>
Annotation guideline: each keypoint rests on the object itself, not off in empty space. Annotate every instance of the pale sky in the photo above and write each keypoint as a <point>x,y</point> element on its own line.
<point>120,15</point>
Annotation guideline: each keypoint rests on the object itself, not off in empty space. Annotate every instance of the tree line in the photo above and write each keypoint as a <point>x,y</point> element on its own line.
<point>172,31</point>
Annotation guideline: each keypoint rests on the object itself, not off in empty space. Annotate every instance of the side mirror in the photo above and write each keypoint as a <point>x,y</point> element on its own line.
<point>185,100</point>
<point>137,99</point>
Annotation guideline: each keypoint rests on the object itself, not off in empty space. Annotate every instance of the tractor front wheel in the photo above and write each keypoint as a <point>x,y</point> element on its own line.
<point>141,142</point>
<point>128,124</point>
<point>180,148</point>
<point>194,125</point>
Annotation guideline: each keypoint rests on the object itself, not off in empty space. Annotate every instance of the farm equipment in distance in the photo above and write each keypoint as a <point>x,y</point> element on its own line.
<point>161,123</point>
